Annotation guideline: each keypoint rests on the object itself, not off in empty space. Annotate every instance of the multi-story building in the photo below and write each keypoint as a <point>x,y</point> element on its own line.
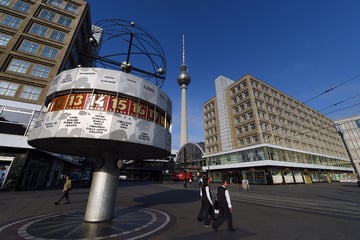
<point>258,133</point>
<point>350,129</point>
<point>38,39</point>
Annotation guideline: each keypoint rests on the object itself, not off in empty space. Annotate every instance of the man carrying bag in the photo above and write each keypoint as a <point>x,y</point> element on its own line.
<point>225,207</point>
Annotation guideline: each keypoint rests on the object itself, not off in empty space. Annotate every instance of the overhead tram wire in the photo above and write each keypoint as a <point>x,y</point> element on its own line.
<point>332,88</point>
<point>347,107</point>
<point>335,104</point>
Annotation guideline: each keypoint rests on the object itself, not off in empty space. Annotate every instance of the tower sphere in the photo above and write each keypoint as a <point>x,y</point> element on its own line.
<point>184,77</point>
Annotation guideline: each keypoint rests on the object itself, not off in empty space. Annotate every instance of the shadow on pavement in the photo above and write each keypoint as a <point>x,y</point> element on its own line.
<point>168,197</point>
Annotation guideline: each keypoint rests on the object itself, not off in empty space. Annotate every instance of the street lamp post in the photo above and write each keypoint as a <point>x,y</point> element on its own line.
<point>339,131</point>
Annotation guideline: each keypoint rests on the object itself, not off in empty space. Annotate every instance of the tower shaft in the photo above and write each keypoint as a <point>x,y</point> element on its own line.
<point>184,128</point>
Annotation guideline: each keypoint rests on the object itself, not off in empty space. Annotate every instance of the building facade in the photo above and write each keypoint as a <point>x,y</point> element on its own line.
<point>350,128</point>
<point>38,39</point>
<point>258,133</point>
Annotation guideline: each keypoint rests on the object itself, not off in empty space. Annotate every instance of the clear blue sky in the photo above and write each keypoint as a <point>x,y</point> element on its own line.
<point>302,48</point>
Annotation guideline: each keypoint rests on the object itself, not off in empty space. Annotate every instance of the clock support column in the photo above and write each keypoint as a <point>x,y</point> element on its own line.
<point>102,196</point>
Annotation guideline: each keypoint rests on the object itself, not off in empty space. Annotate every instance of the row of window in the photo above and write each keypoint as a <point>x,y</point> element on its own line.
<point>38,30</point>
<point>286,101</point>
<point>242,107</point>
<point>299,123</point>
<point>239,86</point>
<point>240,96</point>
<point>209,106</point>
<point>43,31</point>
<point>54,17</point>
<point>38,49</point>
<point>306,144</point>
<point>244,117</point>
<point>19,5</point>
<point>10,21</point>
<point>27,92</point>
<point>211,131</point>
<point>25,67</point>
<point>212,149</point>
<point>63,5</point>
<point>249,140</point>
<point>212,139</point>
<point>209,114</point>
<point>291,131</point>
<point>14,22</point>
<point>246,128</point>
<point>210,122</point>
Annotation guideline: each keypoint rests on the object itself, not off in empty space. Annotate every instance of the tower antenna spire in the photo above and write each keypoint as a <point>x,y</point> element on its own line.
<point>183,49</point>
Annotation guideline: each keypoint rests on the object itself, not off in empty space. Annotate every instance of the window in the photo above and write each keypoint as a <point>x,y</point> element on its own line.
<point>47,15</point>
<point>243,117</point>
<point>57,35</point>
<point>40,71</point>
<point>246,128</point>
<point>49,52</point>
<point>55,3</point>
<point>8,88</point>
<point>246,93</point>
<point>4,2</point>
<point>30,93</point>
<point>11,21</point>
<point>38,29</point>
<point>22,6</point>
<point>71,8</point>
<point>64,21</point>
<point>18,66</point>
<point>29,47</point>
<point>357,122</point>
<point>239,130</point>
<point>4,39</point>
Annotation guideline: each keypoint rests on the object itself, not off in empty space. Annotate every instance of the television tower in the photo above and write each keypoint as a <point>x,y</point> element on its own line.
<point>183,80</point>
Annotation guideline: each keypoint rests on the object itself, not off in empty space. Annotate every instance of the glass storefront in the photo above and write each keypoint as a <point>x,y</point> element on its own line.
<point>270,153</point>
<point>272,174</point>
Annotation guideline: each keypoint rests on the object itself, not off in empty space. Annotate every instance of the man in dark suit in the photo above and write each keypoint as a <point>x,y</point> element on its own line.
<point>225,207</point>
<point>206,212</point>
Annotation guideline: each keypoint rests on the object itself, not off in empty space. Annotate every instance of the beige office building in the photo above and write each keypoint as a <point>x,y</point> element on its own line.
<point>38,39</point>
<point>258,133</point>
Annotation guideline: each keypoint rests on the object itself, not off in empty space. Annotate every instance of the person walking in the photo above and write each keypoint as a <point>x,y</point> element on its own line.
<point>206,212</point>
<point>225,207</point>
<point>66,190</point>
